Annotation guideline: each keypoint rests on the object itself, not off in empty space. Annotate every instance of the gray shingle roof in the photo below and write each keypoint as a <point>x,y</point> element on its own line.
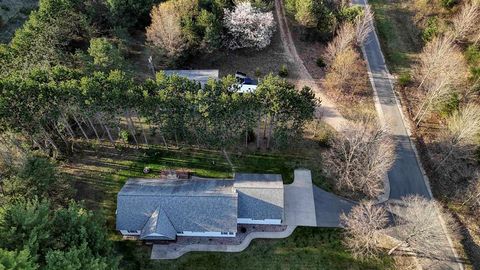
<point>260,196</point>
<point>158,227</point>
<point>200,76</point>
<point>191,205</point>
<point>257,180</point>
<point>160,207</point>
<point>174,187</point>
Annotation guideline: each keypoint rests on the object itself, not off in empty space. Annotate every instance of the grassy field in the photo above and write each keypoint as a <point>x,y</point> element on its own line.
<point>306,248</point>
<point>399,36</point>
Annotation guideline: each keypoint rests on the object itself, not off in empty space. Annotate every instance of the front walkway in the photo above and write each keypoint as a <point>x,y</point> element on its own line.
<point>165,252</point>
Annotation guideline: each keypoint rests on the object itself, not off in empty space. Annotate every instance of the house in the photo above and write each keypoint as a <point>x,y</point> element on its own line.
<point>244,83</point>
<point>162,209</point>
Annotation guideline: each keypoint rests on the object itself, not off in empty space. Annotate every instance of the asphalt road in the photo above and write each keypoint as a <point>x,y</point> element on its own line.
<point>405,176</point>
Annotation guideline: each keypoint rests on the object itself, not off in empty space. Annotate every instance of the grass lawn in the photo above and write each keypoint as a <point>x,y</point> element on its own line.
<point>306,248</point>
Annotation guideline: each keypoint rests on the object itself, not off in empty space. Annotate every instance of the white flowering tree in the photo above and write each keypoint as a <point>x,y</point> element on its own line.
<point>248,27</point>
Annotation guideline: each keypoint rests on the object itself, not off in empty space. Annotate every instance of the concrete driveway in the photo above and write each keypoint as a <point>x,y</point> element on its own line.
<point>299,204</point>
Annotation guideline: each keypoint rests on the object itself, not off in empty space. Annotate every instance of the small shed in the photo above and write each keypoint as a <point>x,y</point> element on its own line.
<point>199,75</point>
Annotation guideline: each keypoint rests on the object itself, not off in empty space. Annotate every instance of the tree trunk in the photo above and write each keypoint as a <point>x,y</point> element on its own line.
<point>395,248</point>
<point>49,140</point>
<point>110,138</point>
<point>270,127</point>
<point>141,126</point>
<point>164,141</point>
<point>259,129</point>
<point>67,126</point>
<point>176,138</point>
<point>246,138</point>
<point>93,127</point>
<point>61,135</point>
<point>131,127</point>
<point>80,126</point>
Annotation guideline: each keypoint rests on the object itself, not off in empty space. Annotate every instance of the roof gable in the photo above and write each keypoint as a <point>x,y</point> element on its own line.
<point>158,227</point>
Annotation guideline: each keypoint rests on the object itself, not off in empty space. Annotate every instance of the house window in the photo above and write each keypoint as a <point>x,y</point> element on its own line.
<point>132,231</point>
<point>230,233</point>
<point>224,233</point>
<point>180,232</point>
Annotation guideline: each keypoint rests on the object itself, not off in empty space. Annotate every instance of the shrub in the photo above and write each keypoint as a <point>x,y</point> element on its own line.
<point>283,72</point>
<point>124,136</point>
<point>431,30</point>
<point>325,137</point>
<point>404,79</point>
<point>5,7</point>
<point>472,54</point>
<point>449,106</point>
<point>448,4</point>
<point>257,72</point>
<point>321,63</point>
<point>350,13</point>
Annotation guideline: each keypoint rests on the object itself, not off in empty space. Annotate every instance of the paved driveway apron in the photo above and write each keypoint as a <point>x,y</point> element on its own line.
<point>329,208</point>
<point>299,203</point>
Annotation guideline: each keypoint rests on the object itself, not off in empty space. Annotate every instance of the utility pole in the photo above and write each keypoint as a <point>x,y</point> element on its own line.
<point>151,66</point>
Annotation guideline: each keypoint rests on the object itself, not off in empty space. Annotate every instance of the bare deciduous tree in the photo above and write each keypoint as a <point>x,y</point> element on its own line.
<point>418,226</point>
<point>363,226</point>
<point>460,136</point>
<point>364,25</point>
<point>248,27</point>
<point>343,71</point>
<point>465,22</point>
<point>472,198</point>
<point>442,68</point>
<point>343,40</point>
<point>360,157</point>
<point>165,31</point>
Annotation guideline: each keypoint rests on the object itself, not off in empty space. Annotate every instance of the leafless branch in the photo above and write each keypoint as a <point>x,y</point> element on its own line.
<point>360,157</point>
<point>363,227</point>
<point>364,25</point>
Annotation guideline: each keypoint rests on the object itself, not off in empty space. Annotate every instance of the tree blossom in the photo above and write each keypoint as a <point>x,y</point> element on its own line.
<point>248,27</point>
